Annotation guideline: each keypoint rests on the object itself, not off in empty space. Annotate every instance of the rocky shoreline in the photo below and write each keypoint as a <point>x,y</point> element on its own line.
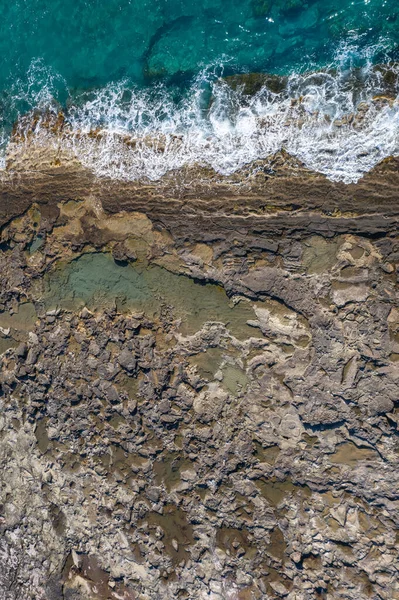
<point>213,410</point>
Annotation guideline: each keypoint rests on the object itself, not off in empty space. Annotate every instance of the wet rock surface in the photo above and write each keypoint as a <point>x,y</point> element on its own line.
<point>252,207</point>
<point>228,431</point>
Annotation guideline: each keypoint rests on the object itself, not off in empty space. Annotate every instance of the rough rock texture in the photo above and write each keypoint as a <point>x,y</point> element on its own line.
<point>269,198</point>
<point>141,462</point>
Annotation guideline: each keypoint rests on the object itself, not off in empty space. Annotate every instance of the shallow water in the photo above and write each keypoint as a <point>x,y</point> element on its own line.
<point>167,469</point>
<point>350,455</point>
<point>235,380</point>
<point>178,531</point>
<point>149,67</point>
<point>96,281</point>
<point>88,43</point>
<point>275,491</point>
<point>16,325</point>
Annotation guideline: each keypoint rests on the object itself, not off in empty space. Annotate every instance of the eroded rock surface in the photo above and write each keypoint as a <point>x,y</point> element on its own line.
<point>199,394</point>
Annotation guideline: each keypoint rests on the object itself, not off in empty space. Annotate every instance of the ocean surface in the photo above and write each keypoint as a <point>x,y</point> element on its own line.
<point>154,71</point>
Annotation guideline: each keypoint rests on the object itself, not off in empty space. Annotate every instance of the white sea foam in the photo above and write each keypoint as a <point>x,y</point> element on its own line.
<point>327,119</point>
<point>236,131</point>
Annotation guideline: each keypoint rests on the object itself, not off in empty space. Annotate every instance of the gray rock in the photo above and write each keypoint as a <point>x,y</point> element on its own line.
<point>127,360</point>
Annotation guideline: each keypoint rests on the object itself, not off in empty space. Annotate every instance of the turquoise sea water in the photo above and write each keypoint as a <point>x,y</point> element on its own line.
<point>150,68</point>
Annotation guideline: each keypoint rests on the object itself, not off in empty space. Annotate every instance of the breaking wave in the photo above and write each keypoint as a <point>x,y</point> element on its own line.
<point>340,121</point>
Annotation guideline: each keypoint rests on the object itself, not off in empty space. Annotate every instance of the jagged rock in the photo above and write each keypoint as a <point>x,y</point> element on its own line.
<point>127,360</point>
<point>136,439</point>
<point>122,253</point>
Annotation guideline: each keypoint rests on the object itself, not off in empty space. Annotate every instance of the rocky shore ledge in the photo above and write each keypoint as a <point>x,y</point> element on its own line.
<point>199,383</point>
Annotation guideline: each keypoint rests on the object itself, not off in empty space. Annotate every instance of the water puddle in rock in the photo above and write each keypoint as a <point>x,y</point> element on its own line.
<point>319,254</point>
<point>6,343</point>
<point>177,530</point>
<point>15,325</point>
<point>349,454</point>
<point>275,491</point>
<point>277,544</point>
<point>207,362</point>
<point>96,580</point>
<point>235,379</point>
<point>125,463</point>
<point>167,469</point>
<point>96,281</point>
<point>36,244</point>
<point>18,322</point>
<point>357,252</point>
<point>268,455</point>
<point>233,541</point>
<point>41,435</point>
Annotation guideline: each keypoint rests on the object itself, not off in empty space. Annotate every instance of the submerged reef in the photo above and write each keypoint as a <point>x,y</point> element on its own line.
<point>198,381</point>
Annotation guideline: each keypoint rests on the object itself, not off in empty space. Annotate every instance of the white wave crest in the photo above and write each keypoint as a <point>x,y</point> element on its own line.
<point>335,121</point>
<point>323,119</point>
